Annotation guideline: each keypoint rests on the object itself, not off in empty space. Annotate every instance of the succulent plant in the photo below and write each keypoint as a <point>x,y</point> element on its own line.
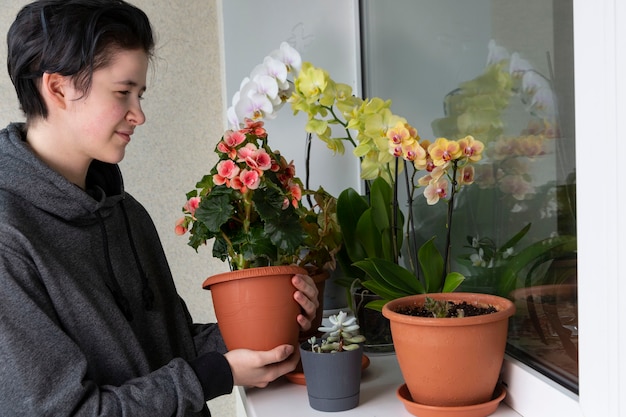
<point>343,334</point>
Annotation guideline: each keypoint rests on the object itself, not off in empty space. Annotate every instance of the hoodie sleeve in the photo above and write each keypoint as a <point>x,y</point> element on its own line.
<point>43,372</point>
<point>210,365</point>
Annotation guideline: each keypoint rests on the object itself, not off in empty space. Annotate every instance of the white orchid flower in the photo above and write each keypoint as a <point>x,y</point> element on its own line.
<point>539,95</point>
<point>289,56</point>
<point>252,104</point>
<point>267,85</point>
<point>274,68</point>
<point>519,66</point>
<point>496,53</point>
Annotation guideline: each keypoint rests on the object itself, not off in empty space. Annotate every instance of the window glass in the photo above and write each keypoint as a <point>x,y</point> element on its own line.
<point>501,71</point>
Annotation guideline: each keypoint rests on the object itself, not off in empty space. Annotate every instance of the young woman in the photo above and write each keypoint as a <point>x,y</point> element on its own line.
<point>90,320</point>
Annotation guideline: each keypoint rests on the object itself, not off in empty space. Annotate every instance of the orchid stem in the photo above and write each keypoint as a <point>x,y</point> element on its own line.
<point>447,249</point>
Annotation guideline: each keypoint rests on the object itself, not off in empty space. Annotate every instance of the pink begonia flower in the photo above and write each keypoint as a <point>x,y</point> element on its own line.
<point>180,228</point>
<point>219,180</point>
<point>296,193</point>
<point>250,178</point>
<point>237,184</point>
<point>191,205</point>
<point>246,152</point>
<point>231,140</point>
<point>262,160</point>
<point>227,170</point>
<point>255,158</point>
<point>435,191</point>
<point>254,127</point>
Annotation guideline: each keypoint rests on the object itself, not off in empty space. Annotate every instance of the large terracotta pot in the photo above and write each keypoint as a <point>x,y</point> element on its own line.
<point>450,362</point>
<point>255,308</point>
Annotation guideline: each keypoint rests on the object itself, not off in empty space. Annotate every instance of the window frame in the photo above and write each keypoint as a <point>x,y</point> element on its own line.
<point>599,45</point>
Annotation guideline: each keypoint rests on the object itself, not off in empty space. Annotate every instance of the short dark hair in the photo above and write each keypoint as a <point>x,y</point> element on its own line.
<point>72,38</point>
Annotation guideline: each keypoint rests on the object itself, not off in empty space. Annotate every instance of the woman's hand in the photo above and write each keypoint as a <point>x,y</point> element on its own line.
<point>259,368</point>
<point>306,295</point>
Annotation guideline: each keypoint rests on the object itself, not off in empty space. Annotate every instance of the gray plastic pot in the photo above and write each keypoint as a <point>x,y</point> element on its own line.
<point>333,380</point>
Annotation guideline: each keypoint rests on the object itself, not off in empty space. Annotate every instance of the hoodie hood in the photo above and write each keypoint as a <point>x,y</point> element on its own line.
<point>26,176</point>
<point>31,180</point>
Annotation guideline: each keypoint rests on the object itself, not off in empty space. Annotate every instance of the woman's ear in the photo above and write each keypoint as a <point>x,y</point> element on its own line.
<point>54,90</point>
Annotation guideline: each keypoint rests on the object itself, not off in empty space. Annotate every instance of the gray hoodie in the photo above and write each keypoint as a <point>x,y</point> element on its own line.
<point>90,321</point>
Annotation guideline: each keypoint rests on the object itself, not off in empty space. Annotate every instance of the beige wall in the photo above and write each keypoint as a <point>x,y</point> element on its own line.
<point>184,110</point>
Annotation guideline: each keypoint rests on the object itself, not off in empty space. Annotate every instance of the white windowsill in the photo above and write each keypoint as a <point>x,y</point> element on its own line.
<point>378,396</point>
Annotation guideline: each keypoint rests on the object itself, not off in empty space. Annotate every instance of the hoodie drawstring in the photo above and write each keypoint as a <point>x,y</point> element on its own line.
<point>112,284</point>
<point>146,292</point>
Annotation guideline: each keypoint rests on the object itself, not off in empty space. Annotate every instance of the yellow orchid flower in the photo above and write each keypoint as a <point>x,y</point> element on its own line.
<point>311,82</point>
<point>444,151</point>
<point>471,148</point>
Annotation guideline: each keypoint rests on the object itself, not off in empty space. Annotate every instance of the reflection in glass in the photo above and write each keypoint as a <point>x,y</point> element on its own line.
<point>501,71</point>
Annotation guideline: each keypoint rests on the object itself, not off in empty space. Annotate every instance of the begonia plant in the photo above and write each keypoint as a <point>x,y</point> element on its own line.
<point>250,203</point>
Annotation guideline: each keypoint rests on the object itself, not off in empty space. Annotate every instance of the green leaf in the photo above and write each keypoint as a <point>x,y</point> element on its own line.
<point>530,254</point>
<point>391,276</point>
<point>255,247</point>
<point>376,304</point>
<point>350,207</point>
<point>452,281</point>
<point>515,239</point>
<point>269,203</point>
<point>381,201</point>
<point>285,231</point>
<point>431,262</point>
<point>368,236</point>
<point>215,209</point>
<point>381,196</point>
<point>382,291</point>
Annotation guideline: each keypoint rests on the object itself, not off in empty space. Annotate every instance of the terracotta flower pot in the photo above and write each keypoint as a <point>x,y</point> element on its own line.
<point>255,308</point>
<point>450,362</point>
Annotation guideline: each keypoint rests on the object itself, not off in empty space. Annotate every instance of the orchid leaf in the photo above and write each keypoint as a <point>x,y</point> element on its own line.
<point>382,291</point>
<point>532,253</point>
<point>376,304</point>
<point>391,275</point>
<point>350,207</point>
<point>515,239</point>
<point>452,281</point>
<point>431,262</point>
<point>380,201</point>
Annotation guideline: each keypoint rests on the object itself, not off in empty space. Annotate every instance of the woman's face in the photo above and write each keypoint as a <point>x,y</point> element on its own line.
<point>102,121</point>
